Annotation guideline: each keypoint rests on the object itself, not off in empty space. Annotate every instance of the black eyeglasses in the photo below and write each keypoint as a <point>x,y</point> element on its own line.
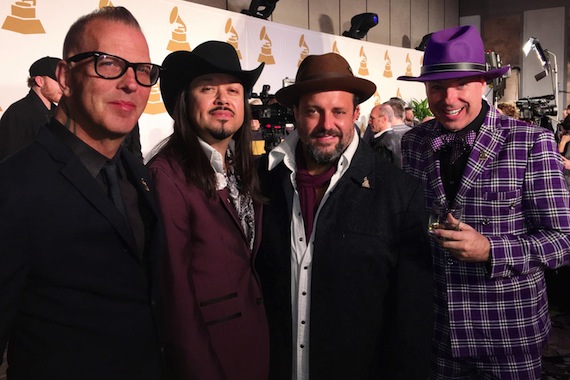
<point>110,66</point>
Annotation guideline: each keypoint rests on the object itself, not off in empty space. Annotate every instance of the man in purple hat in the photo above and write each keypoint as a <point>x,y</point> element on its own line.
<point>344,259</point>
<point>505,176</point>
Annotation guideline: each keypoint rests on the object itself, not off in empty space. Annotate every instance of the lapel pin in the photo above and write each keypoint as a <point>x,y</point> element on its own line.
<point>483,156</point>
<point>145,185</point>
<point>366,183</point>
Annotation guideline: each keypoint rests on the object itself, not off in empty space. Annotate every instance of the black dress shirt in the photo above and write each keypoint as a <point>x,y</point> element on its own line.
<point>451,173</point>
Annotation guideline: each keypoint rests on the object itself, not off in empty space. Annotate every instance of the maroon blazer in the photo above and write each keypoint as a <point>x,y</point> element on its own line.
<point>215,317</point>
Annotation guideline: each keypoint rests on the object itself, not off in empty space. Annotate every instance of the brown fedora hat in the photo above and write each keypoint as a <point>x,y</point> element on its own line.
<point>326,72</point>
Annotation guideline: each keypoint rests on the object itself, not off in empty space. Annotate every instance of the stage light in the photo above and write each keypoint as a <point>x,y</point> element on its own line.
<point>534,43</point>
<point>361,24</point>
<point>260,8</point>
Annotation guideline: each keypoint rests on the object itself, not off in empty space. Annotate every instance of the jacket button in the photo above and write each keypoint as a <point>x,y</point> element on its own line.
<point>259,300</point>
<point>485,222</point>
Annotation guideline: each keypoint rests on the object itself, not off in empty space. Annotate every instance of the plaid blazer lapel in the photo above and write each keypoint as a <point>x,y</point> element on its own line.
<point>489,141</point>
<point>434,183</point>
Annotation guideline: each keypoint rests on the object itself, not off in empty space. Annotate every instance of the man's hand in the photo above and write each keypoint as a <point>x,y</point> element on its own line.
<point>465,243</point>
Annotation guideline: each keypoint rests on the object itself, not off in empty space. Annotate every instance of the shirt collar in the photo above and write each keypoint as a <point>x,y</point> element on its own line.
<point>216,159</point>
<point>285,152</point>
<point>90,158</point>
<point>382,132</point>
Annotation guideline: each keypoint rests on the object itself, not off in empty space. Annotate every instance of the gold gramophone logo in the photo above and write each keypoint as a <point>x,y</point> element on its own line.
<point>408,65</point>
<point>398,93</point>
<point>154,105</point>
<point>23,18</point>
<point>233,38</point>
<point>387,66</point>
<point>363,69</point>
<point>304,50</point>
<point>377,99</point>
<point>178,40</point>
<point>266,54</point>
<point>105,3</point>
<point>335,48</point>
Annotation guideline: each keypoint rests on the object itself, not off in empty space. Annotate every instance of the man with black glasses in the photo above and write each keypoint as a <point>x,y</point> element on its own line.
<point>80,234</point>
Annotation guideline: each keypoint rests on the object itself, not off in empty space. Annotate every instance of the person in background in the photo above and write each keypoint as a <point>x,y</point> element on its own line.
<point>344,260</point>
<point>564,148</point>
<point>209,195</point>
<point>505,177</point>
<point>80,233</point>
<point>409,119</point>
<point>22,121</point>
<point>509,108</point>
<point>385,141</point>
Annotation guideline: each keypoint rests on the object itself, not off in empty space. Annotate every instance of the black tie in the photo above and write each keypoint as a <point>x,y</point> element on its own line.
<point>110,170</point>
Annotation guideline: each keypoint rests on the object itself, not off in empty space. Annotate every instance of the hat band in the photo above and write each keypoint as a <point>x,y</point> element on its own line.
<point>460,66</point>
<point>322,75</point>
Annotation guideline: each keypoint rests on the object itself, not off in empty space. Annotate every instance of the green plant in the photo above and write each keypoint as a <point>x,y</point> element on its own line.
<point>421,109</point>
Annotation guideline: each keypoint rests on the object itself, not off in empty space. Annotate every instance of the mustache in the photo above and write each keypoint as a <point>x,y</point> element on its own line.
<point>221,109</point>
<point>330,132</point>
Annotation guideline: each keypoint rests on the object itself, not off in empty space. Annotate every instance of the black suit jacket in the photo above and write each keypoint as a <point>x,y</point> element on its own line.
<point>77,300</point>
<point>371,302</point>
<point>388,146</point>
<point>21,123</point>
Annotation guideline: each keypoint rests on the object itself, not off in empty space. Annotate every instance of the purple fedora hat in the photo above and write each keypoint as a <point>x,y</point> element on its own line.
<point>455,53</point>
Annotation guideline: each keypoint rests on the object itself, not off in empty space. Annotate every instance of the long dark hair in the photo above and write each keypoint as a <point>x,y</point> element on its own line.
<point>183,146</point>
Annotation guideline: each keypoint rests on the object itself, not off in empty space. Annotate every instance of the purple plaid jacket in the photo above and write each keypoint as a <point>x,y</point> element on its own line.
<point>514,193</point>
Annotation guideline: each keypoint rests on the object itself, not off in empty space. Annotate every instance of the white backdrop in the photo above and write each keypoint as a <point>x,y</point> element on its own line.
<point>30,31</point>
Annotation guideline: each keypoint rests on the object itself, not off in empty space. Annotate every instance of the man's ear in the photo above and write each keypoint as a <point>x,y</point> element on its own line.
<point>39,81</point>
<point>63,75</point>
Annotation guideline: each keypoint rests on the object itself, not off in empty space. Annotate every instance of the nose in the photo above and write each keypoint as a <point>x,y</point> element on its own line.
<point>221,97</point>
<point>450,94</point>
<point>129,80</point>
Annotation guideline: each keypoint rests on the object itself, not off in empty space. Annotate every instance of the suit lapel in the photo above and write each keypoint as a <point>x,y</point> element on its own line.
<point>484,152</point>
<point>80,178</point>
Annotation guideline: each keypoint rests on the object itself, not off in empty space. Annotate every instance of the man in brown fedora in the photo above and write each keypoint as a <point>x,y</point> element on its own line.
<point>344,259</point>
<point>506,177</point>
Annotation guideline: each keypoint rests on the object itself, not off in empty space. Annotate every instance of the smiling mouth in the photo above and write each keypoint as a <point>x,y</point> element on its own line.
<point>452,112</point>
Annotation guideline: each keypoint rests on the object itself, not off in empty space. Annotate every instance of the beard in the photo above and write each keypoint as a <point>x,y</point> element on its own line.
<point>323,157</point>
<point>221,133</point>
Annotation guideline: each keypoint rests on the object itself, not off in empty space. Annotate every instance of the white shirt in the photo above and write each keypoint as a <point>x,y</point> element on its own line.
<point>302,251</point>
<point>217,162</point>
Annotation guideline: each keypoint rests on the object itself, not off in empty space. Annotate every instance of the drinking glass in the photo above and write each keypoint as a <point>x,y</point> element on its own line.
<point>438,216</point>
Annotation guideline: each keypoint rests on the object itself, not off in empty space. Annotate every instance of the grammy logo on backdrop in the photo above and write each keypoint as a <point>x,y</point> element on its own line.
<point>23,18</point>
<point>377,99</point>
<point>154,105</point>
<point>363,69</point>
<point>233,38</point>
<point>178,40</point>
<point>105,3</point>
<point>387,66</point>
<point>335,48</point>
<point>304,51</point>
<point>408,66</point>
<point>266,54</point>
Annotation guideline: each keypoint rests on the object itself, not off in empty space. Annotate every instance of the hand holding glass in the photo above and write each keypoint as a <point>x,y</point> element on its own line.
<point>438,217</point>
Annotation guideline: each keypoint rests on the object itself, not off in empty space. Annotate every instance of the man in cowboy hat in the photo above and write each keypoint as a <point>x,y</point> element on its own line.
<point>344,259</point>
<point>209,196</point>
<point>506,177</point>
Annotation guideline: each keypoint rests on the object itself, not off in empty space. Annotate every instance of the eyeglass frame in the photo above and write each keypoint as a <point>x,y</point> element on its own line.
<point>98,54</point>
